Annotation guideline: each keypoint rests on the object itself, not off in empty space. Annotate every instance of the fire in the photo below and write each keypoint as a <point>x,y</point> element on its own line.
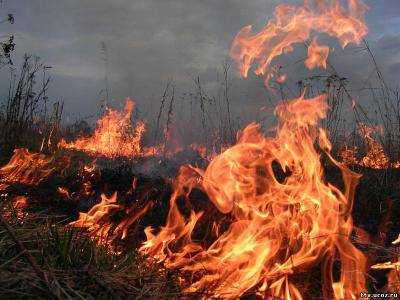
<point>295,24</point>
<point>348,156</point>
<point>114,135</point>
<point>64,192</point>
<point>19,205</point>
<point>317,55</point>
<point>375,157</point>
<point>393,276</point>
<point>284,227</point>
<point>200,149</point>
<point>26,168</point>
<point>96,220</point>
<point>283,218</point>
<point>279,228</point>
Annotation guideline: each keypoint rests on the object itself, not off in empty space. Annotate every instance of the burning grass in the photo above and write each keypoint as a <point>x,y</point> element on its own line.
<point>101,259</point>
<point>114,135</point>
<point>268,217</point>
<point>375,156</point>
<point>43,256</point>
<point>68,264</point>
<point>105,263</point>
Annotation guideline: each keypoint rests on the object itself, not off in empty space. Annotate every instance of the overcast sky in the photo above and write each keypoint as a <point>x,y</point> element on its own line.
<point>149,41</point>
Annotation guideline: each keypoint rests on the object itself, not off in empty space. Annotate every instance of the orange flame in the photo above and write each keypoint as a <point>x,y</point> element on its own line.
<point>278,228</point>
<point>114,135</point>
<point>19,205</point>
<point>26,168</point>
<point>317,55</point>
<point>96,220</point>
<point>64,192</point>
<point>393,283</point>
<point>376,157</point>
<point>295,24</point>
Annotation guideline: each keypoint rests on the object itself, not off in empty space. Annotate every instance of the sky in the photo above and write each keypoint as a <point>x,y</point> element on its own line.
<point>150,41</point>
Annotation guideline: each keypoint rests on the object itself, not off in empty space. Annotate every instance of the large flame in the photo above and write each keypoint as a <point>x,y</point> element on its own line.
<point>114,135</point>
<point>295,24</point>
<point>279,228</point>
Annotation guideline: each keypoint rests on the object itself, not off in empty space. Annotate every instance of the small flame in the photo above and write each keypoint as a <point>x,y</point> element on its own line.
<point>64,192</point>
<point>317,55</point>
<point>19,205</point>
<point>114,135</point>
<point>281,79</point>
<point>96,220</point>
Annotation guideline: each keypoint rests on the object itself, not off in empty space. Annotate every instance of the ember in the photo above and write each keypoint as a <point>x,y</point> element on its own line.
<point>375,157</point>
